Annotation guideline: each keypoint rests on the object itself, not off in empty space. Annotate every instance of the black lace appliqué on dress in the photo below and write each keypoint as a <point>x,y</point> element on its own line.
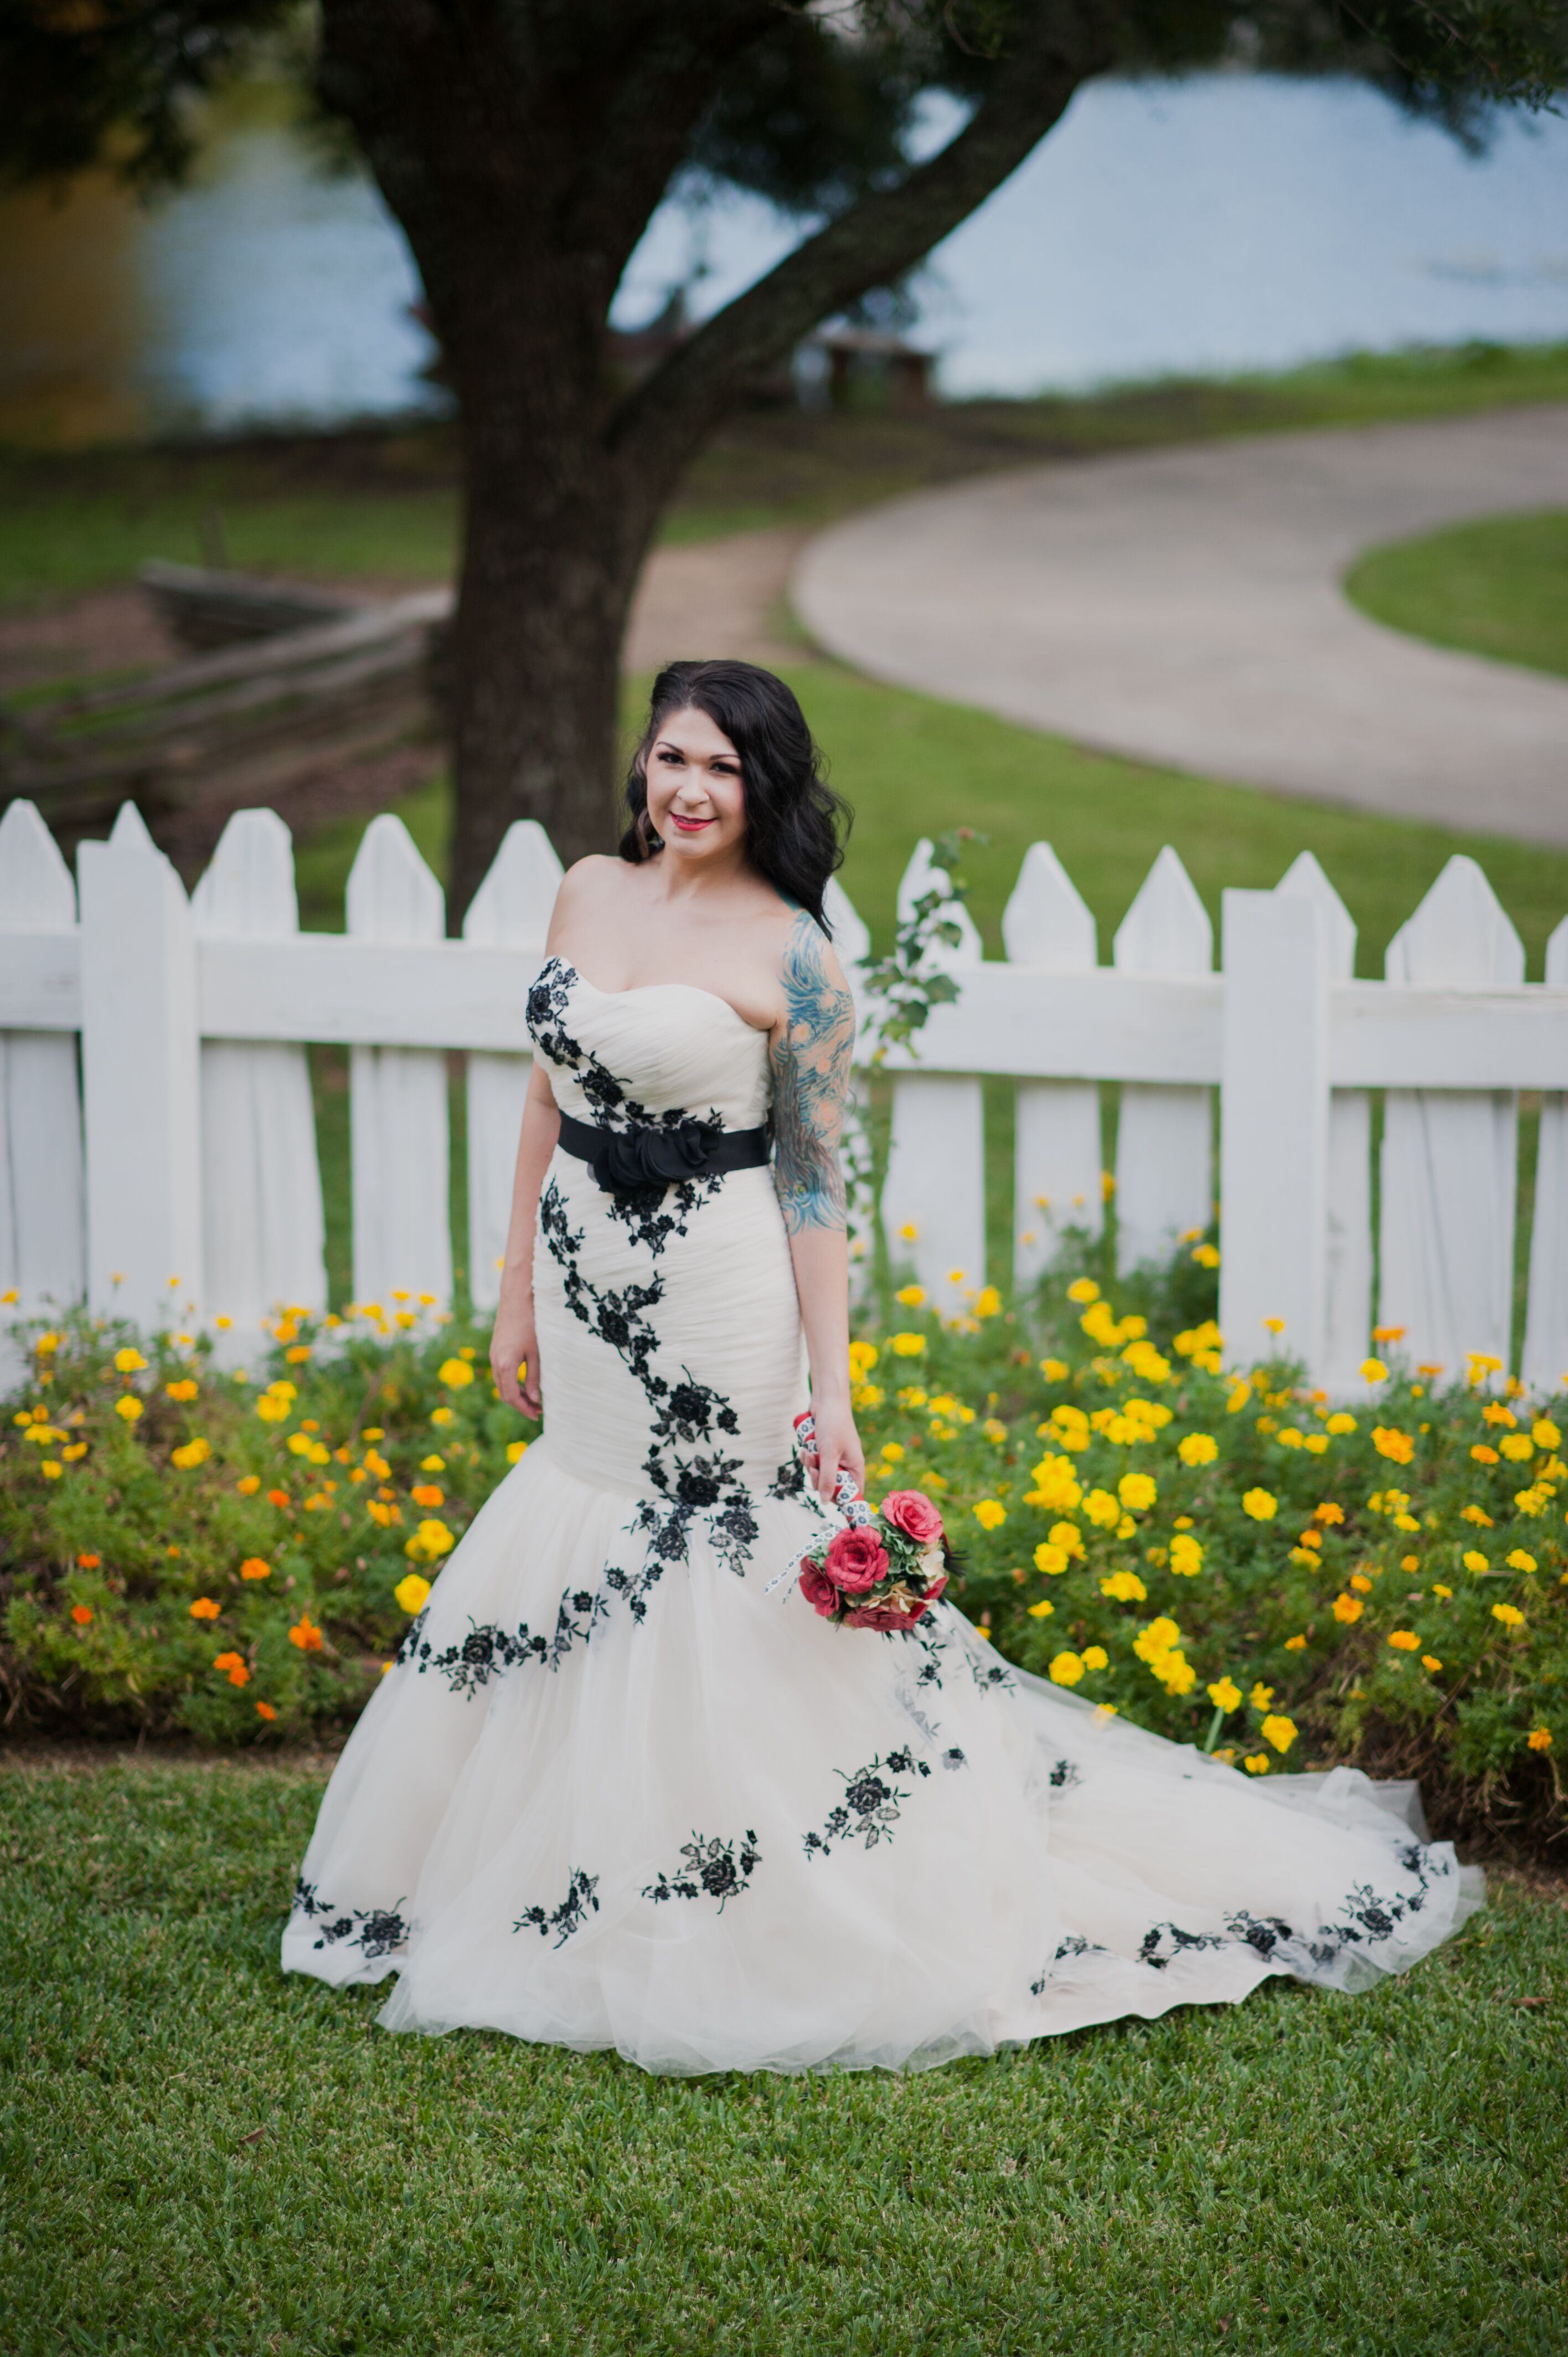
<point>376,1931</point>
<point>713,1870</point>
<point>871,1804</point>
<point>570,1916</point>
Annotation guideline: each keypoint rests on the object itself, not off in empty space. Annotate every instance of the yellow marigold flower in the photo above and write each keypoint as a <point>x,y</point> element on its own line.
<point>1260,1505</point>
<point>1438,1589</point>
<point>1068,1536</point>
<point>1051,1559</point>
<point>1083,1289</point>
<point>862,1357</point>
<point>907,1346</point>
<point>129,1362</point>
<point>1517,1447</point>
<point>46,1344</point>
<point>515,1451</point>
<point>1186,1555</point>
<point>990,1514</point>
<point>1483,1455</point>
<point>411,1592</point>
<point>1095,1657</point>
<point>1340,1423</point>
<point>1279,1731</point>
<point>988,1302</point>
<point>271,1411</point>
<point>1509,1615</point>
<point>184,1390</point>
<point>430,1540</point>
<point>456,1373</point>
<point>1520,1561</point>
<point>1544,1433</point>
<point>892,1451</point>
<point>1359,1582</point>
<point>1390,1441</point>
<point>1373,1371</point>
<point>1206,1256</point>
<point>912,1296</point>
<point>1404,1640</point>
<point>1539,1738</point>
<point>1043,1610</point>
<point>1054,1371</point>
<point>1256,1763</point>
<point>1474,1560</point>
<point>1102,1508</point>
<point>195,1452</point>
<point>1225,1695</point>
<point>130,1407</point>
<point>1065,1669</point>
<point>1124,1587</point>
<point>51,1468</point>
<point>994,1430</point>
<point>248,1484</point>
<point>1137,1492</point>
<point>1475,1515</point>
<point>1347,1609</point>
<point>1198,1448</point>
<point>1430,1662</point>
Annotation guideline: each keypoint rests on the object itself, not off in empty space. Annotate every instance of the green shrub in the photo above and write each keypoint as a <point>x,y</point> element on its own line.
<point>1233,1560</point>
<point>222,1553</point>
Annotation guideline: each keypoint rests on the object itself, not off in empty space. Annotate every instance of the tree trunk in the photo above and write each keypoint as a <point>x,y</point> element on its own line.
<point>535,660</point>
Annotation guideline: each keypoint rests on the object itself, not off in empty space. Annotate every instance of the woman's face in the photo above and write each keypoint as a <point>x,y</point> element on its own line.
<point>696,799</point>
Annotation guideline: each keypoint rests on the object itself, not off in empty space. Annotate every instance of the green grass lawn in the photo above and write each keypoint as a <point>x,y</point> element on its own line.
<point>385,504</point>
<point>1498,587</point>
<point>202,2156</point>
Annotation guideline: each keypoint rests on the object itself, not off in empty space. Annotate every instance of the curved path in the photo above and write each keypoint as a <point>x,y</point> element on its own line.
<point>1183,607</point>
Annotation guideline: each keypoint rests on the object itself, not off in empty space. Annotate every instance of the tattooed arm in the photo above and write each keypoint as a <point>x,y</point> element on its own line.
<point>811,1049</point>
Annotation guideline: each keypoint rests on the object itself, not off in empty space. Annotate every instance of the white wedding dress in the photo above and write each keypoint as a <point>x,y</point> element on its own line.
<point>619,1792</point>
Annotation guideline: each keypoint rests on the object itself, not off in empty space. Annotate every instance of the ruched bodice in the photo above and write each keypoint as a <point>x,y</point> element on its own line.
<point>665,1047</point>
<point>622,1787</point>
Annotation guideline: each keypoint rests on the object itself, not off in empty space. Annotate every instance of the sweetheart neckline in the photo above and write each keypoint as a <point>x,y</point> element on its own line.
<point>636,989</point>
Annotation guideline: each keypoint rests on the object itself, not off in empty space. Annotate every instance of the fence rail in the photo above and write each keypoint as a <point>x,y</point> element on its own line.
<point>180,1140</point>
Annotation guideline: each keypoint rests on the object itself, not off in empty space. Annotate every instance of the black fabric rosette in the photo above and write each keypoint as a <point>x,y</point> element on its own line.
<point>640,1157</point>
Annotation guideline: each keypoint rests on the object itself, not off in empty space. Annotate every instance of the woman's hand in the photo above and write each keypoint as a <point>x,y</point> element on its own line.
<point>838,1444</point>
<point>514,1344</point>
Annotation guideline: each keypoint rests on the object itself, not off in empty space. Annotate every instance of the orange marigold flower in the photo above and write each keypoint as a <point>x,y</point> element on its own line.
<point>428,1493</point>
<point>89,1562</point>
<point>277,1497</point>
<point>265,1710</point>
<point>1329,1512</point>
<point>1348,1607</point>
<point>305,1635</point>
<point>81,1614</point>
<point>204,1608</point>
<point>1539,1738</point>
<point>1404,1640</point>
<point>255,1568</point>
<point>233,1667</point>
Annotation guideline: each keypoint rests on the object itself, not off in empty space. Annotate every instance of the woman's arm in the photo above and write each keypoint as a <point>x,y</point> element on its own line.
<point>514,1341</point>
<point>810,1049</point>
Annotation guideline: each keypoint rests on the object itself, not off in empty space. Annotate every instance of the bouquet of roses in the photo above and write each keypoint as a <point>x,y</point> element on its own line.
<point>886,1569</point>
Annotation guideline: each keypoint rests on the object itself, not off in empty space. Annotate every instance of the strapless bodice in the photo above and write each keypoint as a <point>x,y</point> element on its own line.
<point>615,1057</point>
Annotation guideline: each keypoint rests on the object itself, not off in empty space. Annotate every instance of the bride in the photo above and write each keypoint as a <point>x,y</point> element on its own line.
<point>623,1787</point>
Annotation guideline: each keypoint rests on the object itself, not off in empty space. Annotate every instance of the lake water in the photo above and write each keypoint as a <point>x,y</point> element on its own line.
<point>1222,223</point>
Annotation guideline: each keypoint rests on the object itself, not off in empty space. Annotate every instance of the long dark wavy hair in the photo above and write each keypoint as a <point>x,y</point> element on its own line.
<point>795,823</point>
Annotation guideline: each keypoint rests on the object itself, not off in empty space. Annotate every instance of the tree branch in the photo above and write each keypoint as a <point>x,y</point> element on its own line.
<point>662,423</point>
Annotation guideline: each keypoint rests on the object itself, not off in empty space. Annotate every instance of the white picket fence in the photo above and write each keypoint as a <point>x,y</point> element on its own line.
<point>180,1152</point>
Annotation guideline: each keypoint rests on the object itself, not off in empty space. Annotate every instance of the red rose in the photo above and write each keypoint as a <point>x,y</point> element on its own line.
<point>818,1590</point>
<point>909,1512</point>
<point>857,1560</point>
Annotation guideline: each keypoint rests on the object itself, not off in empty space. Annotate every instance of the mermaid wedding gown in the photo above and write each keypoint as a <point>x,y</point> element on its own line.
<point>620,1790</point>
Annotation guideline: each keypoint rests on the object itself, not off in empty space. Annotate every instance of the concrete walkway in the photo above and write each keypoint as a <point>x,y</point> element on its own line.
<point>1183,607</point>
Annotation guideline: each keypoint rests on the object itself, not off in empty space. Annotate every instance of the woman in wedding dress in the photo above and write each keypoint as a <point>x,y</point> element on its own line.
<point>623,1787</point>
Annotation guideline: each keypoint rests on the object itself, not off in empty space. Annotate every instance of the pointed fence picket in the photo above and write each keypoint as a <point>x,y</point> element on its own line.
<point>1451,1156</point>
<point>183,1178</point>
<point>1165,1142</point>
<point>1347,1241</point>
<point>262,1227</point>
<point>1057,1156</point>
<point>510,911</point>
<point>399,1130</point>
<point>933,1202</point>
<point>42,1210</point>
<point>1545,1362</point>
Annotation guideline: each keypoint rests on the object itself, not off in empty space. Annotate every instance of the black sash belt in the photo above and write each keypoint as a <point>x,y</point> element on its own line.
<point>645,1156</point>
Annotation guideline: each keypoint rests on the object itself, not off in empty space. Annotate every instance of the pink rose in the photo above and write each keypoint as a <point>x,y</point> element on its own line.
<point>856,1561</point>
<point>818,1590</point>
<point>909,1512</point>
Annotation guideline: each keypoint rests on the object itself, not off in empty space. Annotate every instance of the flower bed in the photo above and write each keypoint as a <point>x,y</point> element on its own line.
<point>1233,1560</point>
